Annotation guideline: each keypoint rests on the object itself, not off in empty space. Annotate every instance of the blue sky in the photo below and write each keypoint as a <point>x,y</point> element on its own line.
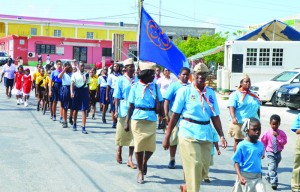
<point>230,15</point>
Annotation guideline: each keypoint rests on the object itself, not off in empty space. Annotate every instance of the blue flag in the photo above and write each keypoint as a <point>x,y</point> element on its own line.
<point>155,46</point>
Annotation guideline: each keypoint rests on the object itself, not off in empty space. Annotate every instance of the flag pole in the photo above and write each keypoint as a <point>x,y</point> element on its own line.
<point>140,4</point>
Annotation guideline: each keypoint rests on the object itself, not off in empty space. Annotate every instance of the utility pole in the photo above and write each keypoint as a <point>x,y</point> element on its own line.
<point>159,13</point>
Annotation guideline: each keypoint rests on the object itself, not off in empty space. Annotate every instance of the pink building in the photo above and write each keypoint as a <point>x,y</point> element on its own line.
<point>87,50</point>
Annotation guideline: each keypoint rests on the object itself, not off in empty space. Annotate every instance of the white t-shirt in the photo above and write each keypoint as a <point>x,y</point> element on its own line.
<point>164,83</point>
<point>48,60</point>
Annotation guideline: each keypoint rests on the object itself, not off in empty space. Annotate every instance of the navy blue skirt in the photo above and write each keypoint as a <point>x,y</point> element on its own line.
<point>81,99</point>
<point>65,97</point>
<point>56,89</point>
<point>102,96</point>
<point>111,100</point>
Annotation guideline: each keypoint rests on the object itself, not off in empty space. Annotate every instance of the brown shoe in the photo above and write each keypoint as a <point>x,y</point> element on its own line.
<point>183,188</point>
<point>131,165</point>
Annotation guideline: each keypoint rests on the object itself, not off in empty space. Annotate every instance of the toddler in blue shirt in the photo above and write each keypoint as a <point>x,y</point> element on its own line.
<point>247,159</point>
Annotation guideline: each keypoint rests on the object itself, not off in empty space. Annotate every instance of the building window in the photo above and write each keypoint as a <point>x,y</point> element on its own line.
<point>45,49</point>
<point>106,52</point>
<point>251,57</point>
<point>277,57</point>
<point>90,35</point>
<point>33,31</point>
<point>57,33</point>
<point>264,57</point>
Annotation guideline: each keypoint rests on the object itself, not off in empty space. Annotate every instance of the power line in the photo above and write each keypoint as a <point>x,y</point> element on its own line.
<point>198,20</point>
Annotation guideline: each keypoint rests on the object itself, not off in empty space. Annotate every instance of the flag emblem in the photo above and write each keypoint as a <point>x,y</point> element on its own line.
<point>157,36</point>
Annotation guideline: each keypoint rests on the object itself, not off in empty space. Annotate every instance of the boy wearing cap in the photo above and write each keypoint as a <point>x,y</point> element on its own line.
<point>121,93</point>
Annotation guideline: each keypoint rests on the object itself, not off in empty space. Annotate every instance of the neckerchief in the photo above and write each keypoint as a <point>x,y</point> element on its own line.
<point>116,74</point>
<point>146,86</point>
<point>249,93</point>
<point>131,80</point>
<point>202,94</point>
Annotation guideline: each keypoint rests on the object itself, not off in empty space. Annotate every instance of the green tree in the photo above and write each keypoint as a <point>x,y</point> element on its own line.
<point>205,42</point>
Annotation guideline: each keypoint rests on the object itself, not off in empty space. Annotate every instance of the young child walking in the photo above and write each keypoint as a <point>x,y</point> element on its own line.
<point>27,83</point>
<point>18,84</point>
<point>40,88</point>
<point>247,159</point>
<point>274,140</point>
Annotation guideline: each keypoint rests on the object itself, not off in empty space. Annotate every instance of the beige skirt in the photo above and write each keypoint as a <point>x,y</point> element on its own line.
<point>235,131</point>
<point>144,135</point>
<point>123,138</point>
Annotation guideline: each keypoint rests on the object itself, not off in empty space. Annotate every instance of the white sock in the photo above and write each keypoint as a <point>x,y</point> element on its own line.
<point>172,158</point>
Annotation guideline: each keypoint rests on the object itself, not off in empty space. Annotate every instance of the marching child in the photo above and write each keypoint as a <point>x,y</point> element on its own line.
<point>93,84</point>
<point>40,88</point>
<point>27,83</point>
<point>247,159</point>
<point>18,84</point>
<point>274,140</point>
<point>102,84</point>
<point>65,94</point>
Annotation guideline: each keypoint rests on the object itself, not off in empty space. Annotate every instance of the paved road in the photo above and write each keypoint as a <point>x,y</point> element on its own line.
<point>36,154</point>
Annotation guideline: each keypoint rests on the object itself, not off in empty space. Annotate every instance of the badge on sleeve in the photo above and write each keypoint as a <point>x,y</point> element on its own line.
<point>211,99</point>
<point>193,98</point>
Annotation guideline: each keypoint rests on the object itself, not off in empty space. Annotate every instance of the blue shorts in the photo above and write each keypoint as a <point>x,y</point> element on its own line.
<point>56,89</point>
<point>8,82</point>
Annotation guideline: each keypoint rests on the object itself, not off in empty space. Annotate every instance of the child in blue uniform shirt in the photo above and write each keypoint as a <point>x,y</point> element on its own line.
<point>247,159</point>
<point>296,169</point>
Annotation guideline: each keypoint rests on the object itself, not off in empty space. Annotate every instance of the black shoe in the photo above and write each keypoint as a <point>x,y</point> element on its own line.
<point>64,125</point>
<point>83,130</point>
<point>103,120</point>
<point>206,180</point>
<point>38,108</point>
<point>171,164</point>
<point>159,126</point>
<point>70,120</point>
<point>93,116</point>
<point>274,187</point>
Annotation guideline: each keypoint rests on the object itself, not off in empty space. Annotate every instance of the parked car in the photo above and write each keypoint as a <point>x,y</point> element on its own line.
<point>267,90</point>
<point>290,95</point>
<point>3,58</point>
